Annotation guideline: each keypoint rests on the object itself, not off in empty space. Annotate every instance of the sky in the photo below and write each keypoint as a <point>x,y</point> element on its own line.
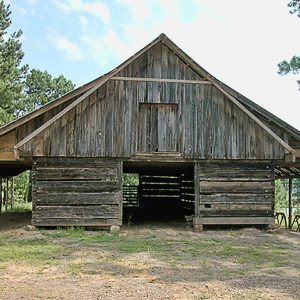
<point>240,42</point>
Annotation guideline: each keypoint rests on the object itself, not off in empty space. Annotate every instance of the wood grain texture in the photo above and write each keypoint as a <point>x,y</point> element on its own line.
<point>76,191</point>
<point>234,220</point>
<point>233,190</point>
<point>122,118</point>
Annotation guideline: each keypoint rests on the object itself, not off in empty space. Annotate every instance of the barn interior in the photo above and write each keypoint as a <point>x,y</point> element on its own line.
<point>157,192</point>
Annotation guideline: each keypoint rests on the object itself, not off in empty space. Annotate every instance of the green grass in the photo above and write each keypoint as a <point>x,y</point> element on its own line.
<point>35,251</point>
<point>232,257</point>
<point>18,207</point>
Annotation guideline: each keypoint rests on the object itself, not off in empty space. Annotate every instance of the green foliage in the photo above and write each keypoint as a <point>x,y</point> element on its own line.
<point>294,6</point>
<point>130,179</point>
<point>40,88</point>
<point>34,251</point>
<point>12,72</point>
<point>281,196</point>
<point>21,187</point>
<point>19,207</point>
<point>22,91</point>
<point>293,66</point>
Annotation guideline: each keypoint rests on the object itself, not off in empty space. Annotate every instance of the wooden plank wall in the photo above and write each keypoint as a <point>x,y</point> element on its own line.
<point>159,62</point>
<point>25,129</point>
<point>76,191</point>
<point>233,191</point>
<point>7,143</point>
<point>111,122</point>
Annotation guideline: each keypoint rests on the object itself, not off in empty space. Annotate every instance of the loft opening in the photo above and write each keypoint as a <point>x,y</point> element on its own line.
<point>157,192</point>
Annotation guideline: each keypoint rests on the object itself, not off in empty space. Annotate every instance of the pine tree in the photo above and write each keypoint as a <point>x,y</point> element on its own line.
<point>12,72</point>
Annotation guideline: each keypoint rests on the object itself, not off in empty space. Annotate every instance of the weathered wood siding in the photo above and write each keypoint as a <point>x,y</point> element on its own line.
<point>80,191</point>
<point>7,143</point>
<point>159,62</point>
<point>123,118</point>
<point>235,190</point>
<point>25,129</point>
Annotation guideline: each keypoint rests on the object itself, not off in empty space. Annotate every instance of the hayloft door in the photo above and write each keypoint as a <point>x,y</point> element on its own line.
<point>158,127</point>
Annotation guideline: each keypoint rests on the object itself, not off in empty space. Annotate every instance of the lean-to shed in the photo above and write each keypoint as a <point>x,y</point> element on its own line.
<point>199,147</point>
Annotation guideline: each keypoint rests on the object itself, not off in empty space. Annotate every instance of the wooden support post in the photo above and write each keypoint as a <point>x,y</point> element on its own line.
<point>12,193</point>
<point>196,188</point>
<point>6,193</point>
<point>0,194</point>
<point>290,202</point>
<point>197,227</point>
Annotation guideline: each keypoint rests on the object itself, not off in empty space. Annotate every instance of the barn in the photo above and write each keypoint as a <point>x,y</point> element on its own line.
<point>199,148</point>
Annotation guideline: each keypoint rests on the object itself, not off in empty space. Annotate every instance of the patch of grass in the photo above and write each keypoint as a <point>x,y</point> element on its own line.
<point>74,268</point>
<point>71,232</point>
<point>36,251</point>
<point>231,257</point>
<point>19,207</point>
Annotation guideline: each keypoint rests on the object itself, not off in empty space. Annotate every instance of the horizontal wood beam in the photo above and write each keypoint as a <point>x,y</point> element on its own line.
<point>168,80</point>
<point>234,220</point>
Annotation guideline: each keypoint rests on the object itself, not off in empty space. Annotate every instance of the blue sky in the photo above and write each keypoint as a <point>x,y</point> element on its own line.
<point>240,42</point>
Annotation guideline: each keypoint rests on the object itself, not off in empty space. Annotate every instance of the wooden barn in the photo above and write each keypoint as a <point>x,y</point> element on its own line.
<point>200,148</point>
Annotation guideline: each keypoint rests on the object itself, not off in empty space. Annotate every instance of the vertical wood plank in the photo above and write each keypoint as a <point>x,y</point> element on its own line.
<point>1,198</point>
<point>290,202</point>
<point>6,193</point>
<point>12,193</point>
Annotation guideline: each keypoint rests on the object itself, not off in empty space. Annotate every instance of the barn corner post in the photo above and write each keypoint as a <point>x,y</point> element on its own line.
<point>12,193</point>
<point>6,192</point>
<point>0,195</point>
<point>121,193</point>
<point>290,203</point>
<point>198,226</point>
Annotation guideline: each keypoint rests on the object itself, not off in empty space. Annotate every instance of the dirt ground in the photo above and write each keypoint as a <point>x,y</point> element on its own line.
<point>147,262</point>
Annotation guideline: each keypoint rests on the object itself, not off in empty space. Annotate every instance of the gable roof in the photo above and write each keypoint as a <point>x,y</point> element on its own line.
<point>238,99</point>
<point>60,100</point>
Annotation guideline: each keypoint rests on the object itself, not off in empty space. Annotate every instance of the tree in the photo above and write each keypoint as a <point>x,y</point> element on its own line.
<point>12,72</point>
<point>295,7</point>
<point>40,88</point>
<point>292,66</point>
<point>22,91</point>
<point>280,196</point>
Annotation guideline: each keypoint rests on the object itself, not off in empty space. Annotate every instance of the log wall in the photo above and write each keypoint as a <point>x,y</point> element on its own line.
<point>235,193</point>
<point>76,191</point>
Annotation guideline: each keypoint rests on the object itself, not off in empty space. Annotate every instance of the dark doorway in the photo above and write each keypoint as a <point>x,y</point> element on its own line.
<point>160,192</point>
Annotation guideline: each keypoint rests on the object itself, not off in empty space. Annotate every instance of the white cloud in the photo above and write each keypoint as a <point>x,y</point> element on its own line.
<point>83,22</point>
<point>19,10</point>
<point>106,48</point>
<point>140,10</point>
<point>73,52</point>
<point>97,8</point>
<point>170,7</point>
<point>95,49</point>
<point>32,2</point>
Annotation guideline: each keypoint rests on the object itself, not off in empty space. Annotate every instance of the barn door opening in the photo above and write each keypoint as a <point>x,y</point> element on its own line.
<point>158,127</point>
<point>161,192</point>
